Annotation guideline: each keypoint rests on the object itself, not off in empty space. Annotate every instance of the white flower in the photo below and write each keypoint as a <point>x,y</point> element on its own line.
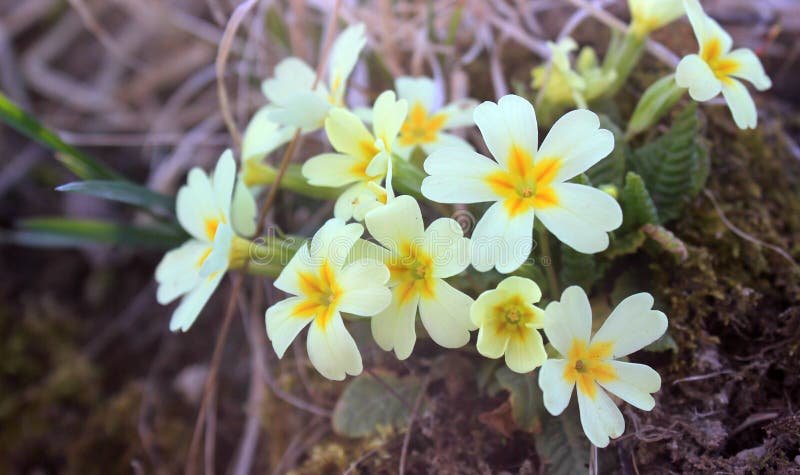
<point>509,324</point>
<point>524,181</point>
<point>364,157</point>
<point>716,68</point>
<point>322,287</point>
<point>650,15</point>
<point>194,270</point>
<point>591,364</point>
<point>419,260</point>
<point>428,119</point>
<point>294,102</point>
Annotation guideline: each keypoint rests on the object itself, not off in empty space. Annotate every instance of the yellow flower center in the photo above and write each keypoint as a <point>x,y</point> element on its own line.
<point>526,184</point>
<point>512,317</point>
<point>711,53</point>
<point>585,365</point>
<point>419,128</point>
<point>322,294</point>
<point>413,270</point>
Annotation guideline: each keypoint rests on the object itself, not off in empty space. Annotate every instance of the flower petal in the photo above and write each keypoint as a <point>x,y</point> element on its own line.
<point>364,289</point>
<point>445,140</point>
<point>344,56</point>
<point>491,343</point>
<point>502,241</point>
<point>347,202</point>
<point>568,320</point>
<point>446,315</point>
<point>195,203</point>
<point>332,350</point>
<point>634,384</point>
<point>301,263</point>
<point>582,217</point>
<point>243,210</point>
<point>417,89</point>
<point>526,352</point>
<point>521,286</point>
<point>459,113</point>
<point>458,175</point>
<point>177,273</point>
<point>576,156</point>
<point>510,122</point>
<point>307,109</point>
<point>394,328</point>
<point>262,136</point>
<point>600,417</point>
<point>217,260</point>
<point>292,75</point>
<point>556,390</point>
<point>695,74</point>
<point>706,29</point>
<point>397,223</point>
<point>333,169</point>
<point>632,325</point>
<point>388,116</point>
<point>445,242</point>
<point>749,68</point>
<point>192,303</point>
<point>741,104</point>
<point>334,240</point>
<point>282,325</point>
<point>348,134</point>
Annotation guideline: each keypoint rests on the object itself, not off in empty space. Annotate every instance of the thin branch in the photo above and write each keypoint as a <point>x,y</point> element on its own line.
<point>407,438</point>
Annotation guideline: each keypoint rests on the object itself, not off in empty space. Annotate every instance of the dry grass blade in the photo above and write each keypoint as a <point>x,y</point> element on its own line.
<point>222,60</point>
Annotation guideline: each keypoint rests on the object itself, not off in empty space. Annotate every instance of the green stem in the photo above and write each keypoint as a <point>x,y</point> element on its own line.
<point>552,278</point>
<point>623,59</point>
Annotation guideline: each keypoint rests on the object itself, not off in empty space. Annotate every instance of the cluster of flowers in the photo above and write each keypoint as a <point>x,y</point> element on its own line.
<point>402,271</point>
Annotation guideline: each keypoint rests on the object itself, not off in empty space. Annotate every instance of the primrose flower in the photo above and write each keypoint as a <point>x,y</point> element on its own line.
<point>261,137</point>
<point>591,363</point>
<point>418,260</point>
<point>716,68</point>
<point>508,323</point>
<point>194,270</point>
<point>322,287</point>
<point>650,15</point>
<point>524,181</point>
<point>294,99</point>
<point>428,119</point>
<point>364,157</point>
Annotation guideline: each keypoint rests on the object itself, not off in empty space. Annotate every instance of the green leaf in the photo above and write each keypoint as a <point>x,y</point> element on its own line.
<point>562,446</point>
<point>656,101</point>
<point>669,164</point>
<point>580,269</point>
<point>638,208</point>
<point>624,244</point>
<point>76,161</point>
<point>524,396</point>
<point>122,191</point>
<point>65,232</point>
<point>366,405</point>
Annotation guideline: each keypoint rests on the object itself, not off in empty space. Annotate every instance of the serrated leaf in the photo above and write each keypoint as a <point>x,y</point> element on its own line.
<point>669,163</point>
<point>667,240</point>
<point>580,269</point>
<point>366,405</point>
<point>561,445</point>
<point>123,192</point>
<point>638,208</point>
<point>524,396</point>
<point>65,232</point>
<point>622,245</point>
<point>76,161</point>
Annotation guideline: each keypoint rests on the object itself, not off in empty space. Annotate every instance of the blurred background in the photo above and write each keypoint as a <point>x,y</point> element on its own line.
<point>91,379</point>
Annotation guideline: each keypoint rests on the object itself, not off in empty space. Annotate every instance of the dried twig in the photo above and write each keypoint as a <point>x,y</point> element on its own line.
<point>414,411</point>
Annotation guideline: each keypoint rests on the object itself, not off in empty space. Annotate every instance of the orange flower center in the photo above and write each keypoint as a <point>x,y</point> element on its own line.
<point>526,184</point>
<point>587,365</point>
<point>420,128</point>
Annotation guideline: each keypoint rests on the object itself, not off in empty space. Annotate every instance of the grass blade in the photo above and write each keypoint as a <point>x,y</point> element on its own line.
<point>71,233</point>
<point>123,192</point>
